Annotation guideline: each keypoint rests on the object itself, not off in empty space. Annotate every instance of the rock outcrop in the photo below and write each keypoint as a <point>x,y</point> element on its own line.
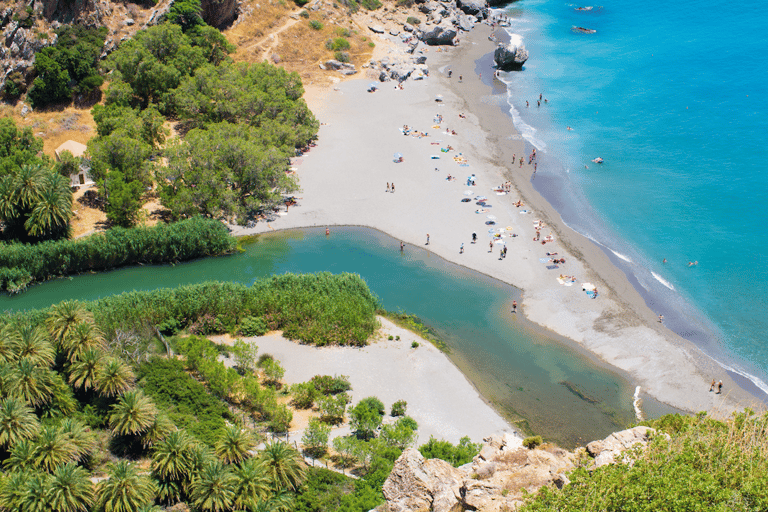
<point>219,13</point>
<point>439,35</point>
<point>477,8</point>
<point>510,57</point>
<point>498,476</point>
<point>605,451</point>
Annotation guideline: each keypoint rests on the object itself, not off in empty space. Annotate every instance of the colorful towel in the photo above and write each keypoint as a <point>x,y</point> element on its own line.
<point>552,267</point>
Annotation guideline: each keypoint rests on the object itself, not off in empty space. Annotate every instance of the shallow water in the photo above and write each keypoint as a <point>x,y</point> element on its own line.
<point>674,97</point>
<point>532,377</point>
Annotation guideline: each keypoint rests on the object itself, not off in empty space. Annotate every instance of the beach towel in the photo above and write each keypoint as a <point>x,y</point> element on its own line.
<point>545,260</point>
<point>591,294</point>
<point>463,165</point>
<point>552,267</point>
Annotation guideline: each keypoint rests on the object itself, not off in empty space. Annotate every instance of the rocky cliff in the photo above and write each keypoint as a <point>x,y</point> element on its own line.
<point>496,479</point>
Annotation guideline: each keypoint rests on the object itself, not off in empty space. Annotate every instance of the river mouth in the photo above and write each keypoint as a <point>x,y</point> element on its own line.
<point>539,381</point>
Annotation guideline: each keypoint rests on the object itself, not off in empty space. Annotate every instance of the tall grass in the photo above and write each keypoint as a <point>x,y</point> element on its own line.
<point>319,309</point>
<point>21,264</point>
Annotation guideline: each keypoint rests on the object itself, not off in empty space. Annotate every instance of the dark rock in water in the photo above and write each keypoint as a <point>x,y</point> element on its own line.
<point>439,35</point>
<point>510,57</point>
<point>477,8</point>
<point>497,3</point>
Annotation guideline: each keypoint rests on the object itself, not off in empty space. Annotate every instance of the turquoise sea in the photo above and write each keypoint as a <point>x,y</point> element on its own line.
<point>674,97</point>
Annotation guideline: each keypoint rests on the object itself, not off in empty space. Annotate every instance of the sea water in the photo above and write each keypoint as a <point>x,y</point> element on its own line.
<point>674,97</point>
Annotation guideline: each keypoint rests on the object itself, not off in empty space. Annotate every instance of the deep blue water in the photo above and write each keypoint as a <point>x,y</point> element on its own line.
<point>673,95</point>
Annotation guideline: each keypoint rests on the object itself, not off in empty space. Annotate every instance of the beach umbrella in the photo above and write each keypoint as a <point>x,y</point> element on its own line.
<point>481,198</point>
<point>468,192</point>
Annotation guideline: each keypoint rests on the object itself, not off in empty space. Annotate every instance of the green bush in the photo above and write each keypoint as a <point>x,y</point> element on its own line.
<point>316,25</point>
<point>304,14</point>
<point>415,344</point>
<point>341,56</point>
<point>413,21</point>
<point>371,5</point>
<point>253,326</point>
<point>303,395</point>
<point>315,438</point>
<point>398,408</point>
<point>328,385</point>
<point>181,241</point>
<point>457,455</point>
<point>337,44</point>
<point>373,404</point>
<point>342,32</point>
<point>532,442</point>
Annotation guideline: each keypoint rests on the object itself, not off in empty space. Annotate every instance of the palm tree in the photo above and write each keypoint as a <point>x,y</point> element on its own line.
<point>27,181</point>
<point>54,447</point>
<point>33,344</point>
<point>22,457</point>
<point>30,382</point>
<point>280,502</point>
<point>8,206</point>
<point>53,209</point>
<point>172,457</point>
<point>132,414</point>
<point>114,377</point>
<point>252,484</point>
<point>9,348</point>
<point>84,370</point>
<point>81,337</point>
<point>64,316</point>
<point>213,488</point>
<point>158,430</point>
<point>35,496</point>
<point>283,465</point>
<point>234,444</point>
<point>13,489</point>
<point>17,422</point>
<point>125,490</point>
<point>70,489</point>
<point>80,435</point>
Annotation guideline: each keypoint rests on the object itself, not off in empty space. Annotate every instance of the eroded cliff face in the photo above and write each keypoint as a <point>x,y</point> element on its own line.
<point>496,479</point>
<point>220,13</point>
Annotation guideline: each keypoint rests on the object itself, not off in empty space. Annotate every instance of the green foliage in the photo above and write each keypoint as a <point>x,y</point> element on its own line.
<point>365,417</point>
<point>123,199</point>
<point>532,442</point>
<point>398,408</point>
<point>15,86</point>
<point>370,5</point>
<point>413,20</point>
<point>456,455</point>
<point>328,385</point>
<point>415,344</point>
<point>304,14</point>
<point>303,395</point>
<point>341,56</point>
<point>245,356</point>
<point>315,438</point>
<point>190,406</point>
<point>401,434</point>
<point>75,58</point>
<point>229,170</point>
<point>186,14</point>
<point>405,3</point>
<point>280,418</point>
<point>706,464</point>
<point>117,247</point>
<point>145,125</point>
<point>273,371</point>
<point>337,44</point>
<point>315,25</point>
<point>253,326</point>
<point>67,164</point>
<point>417,326</point>
<point>332,408</point>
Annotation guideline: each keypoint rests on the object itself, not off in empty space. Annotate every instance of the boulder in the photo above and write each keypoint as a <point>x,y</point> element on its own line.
<point>439,35</point>
<point>408,28</point>
<point>510,56</point>
<point>416,485</point>
<point>376,29</point>
<point>466,23</point>
<point>421,59</point>
<point>394,32</point>
<point>474,7</point>
<point>605,451</point>
<point>219,13</point>
<point>333,64</point>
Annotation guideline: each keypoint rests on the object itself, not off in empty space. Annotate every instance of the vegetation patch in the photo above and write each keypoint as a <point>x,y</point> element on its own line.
<point>416,326</point>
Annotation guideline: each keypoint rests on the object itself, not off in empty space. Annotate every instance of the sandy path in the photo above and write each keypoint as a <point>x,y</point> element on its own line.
<point>439,397</point>
<point>344,181</point>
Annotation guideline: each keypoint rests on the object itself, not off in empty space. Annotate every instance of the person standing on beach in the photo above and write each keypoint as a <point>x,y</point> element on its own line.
<point>474,238</point>
<point>393,187</point>
<point>460,78</point>
<point>501,254</point>
<point>505,251</point>
<point>387,186</point>
<point>513,158</point>
<point>514,310</point>
<point>327,231</point>
<point>661,319</point>
<point>490,246</point>
<point>402,246</point>
<point>461,249</point>
<point>712,386</point>
<point>427,239</point>
<point>719,387</point>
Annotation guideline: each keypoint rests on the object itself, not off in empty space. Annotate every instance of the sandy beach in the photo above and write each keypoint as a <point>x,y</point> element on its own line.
<point>344,182</point>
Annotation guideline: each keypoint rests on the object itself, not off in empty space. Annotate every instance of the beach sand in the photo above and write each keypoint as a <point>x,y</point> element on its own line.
<point>343,182</point>
<point>441,400</point>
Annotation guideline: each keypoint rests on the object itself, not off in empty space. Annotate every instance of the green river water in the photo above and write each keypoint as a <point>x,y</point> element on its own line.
<point>534,378</point>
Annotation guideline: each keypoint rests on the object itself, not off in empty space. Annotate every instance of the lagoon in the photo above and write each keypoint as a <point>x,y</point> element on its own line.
<point>536,379</point>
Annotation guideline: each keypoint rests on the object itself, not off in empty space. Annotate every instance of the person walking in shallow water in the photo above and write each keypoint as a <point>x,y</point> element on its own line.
<point>514,308</point>
<point>402,246</point>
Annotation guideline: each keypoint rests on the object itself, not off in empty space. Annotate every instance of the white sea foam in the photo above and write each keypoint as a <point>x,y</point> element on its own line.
<point>619,255</point>
<point>636,404</point>
<point>527,131</point>
<point>755,380</point>
<point>662,281</point>
<point>515,39</point>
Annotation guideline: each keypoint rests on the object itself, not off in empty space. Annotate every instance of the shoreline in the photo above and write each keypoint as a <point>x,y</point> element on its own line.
<point>612,328</point>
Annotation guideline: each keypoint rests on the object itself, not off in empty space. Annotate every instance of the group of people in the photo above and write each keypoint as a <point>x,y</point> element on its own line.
<point>391,187</point>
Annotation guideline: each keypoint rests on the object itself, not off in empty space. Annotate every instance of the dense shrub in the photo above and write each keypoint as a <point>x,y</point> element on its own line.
<point>532,442</point>
<point>253,326</point>
<point>341,56</point>
<point>328,385</point>
<point>413,21</point>
<point>316,25</point>
<point>456,455</point>
<point>337,44</point>
<point>398,408</point>
<point>181,241</point>
<point>189,404</point>
<point>371,5</point>
<point>706,464</point>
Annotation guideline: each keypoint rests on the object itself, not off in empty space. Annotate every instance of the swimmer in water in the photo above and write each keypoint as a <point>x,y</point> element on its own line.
<point>569,128</point>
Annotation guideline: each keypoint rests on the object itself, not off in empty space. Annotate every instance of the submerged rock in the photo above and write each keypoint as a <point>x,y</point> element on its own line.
<point>510,56</point>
